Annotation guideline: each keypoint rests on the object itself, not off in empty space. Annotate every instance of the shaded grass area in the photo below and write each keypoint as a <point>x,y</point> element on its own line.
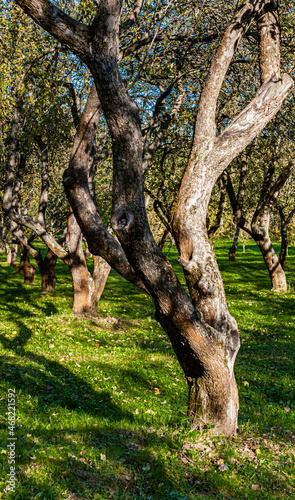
<point>101,403</point>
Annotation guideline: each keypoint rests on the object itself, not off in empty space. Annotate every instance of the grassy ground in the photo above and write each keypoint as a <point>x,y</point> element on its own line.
<point>101,405</point>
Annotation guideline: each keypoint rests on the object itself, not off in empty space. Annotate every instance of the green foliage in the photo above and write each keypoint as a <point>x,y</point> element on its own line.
<point>101,404</point>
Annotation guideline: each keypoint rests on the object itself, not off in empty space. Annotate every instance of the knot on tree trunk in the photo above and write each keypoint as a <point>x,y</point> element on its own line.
<point>122,221</point>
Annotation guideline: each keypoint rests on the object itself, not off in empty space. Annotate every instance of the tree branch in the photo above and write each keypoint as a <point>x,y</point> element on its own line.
<point>252,120</point>
<point>65,29</point>
<point>205,126</point>
<point>269,41</point>
<point>76,184</point>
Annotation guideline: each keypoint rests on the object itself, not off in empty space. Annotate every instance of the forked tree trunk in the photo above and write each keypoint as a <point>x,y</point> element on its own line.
<point>47,271</point>
<point>233,248</point>
<point>83,285</point>
<point>14,248</point>
<point>8,253</point>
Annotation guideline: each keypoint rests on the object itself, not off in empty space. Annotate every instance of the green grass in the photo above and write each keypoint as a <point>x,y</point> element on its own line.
<point>101,405</point>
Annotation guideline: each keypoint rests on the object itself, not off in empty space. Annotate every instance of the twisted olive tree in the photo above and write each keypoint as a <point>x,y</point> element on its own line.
<point>203,333</point>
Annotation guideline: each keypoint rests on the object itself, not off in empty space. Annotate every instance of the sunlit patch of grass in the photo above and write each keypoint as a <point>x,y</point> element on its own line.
<point>101,404</point>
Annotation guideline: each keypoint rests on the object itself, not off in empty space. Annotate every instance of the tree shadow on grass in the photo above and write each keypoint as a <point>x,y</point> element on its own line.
<point>115,462</point>
<point>52,383</point>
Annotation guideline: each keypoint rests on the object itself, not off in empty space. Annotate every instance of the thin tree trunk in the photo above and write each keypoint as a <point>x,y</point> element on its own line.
<point>29,270</point>
<point>285,221</point>
<point>163,239</point>
<point>233,248</point>
<point>14,249</point>
<point>284,246</point>
<point>88,254</point>
<point>47,271</point>
<point>8,253</point>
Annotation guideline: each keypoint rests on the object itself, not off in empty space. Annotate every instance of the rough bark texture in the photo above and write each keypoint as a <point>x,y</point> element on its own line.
<point>83,286</point>
<point>260,233</point>
<point>206,351</point>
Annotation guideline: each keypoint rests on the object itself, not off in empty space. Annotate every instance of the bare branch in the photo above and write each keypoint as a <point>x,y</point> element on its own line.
<point>65,29</point>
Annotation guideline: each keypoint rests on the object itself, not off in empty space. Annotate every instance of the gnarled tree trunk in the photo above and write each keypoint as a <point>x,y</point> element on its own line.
<point>260,233</point>
<point>213,395</point>
<point>206,351</point>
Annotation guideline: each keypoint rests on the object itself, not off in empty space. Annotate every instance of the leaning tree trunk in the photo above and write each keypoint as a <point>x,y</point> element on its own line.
<point>83,286</point>
<point>47,271</point>
<point>233,248</point>
<point>260,233</point>
<point>276,272</point>
<point>163,239</point>
<point>88,254</point>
